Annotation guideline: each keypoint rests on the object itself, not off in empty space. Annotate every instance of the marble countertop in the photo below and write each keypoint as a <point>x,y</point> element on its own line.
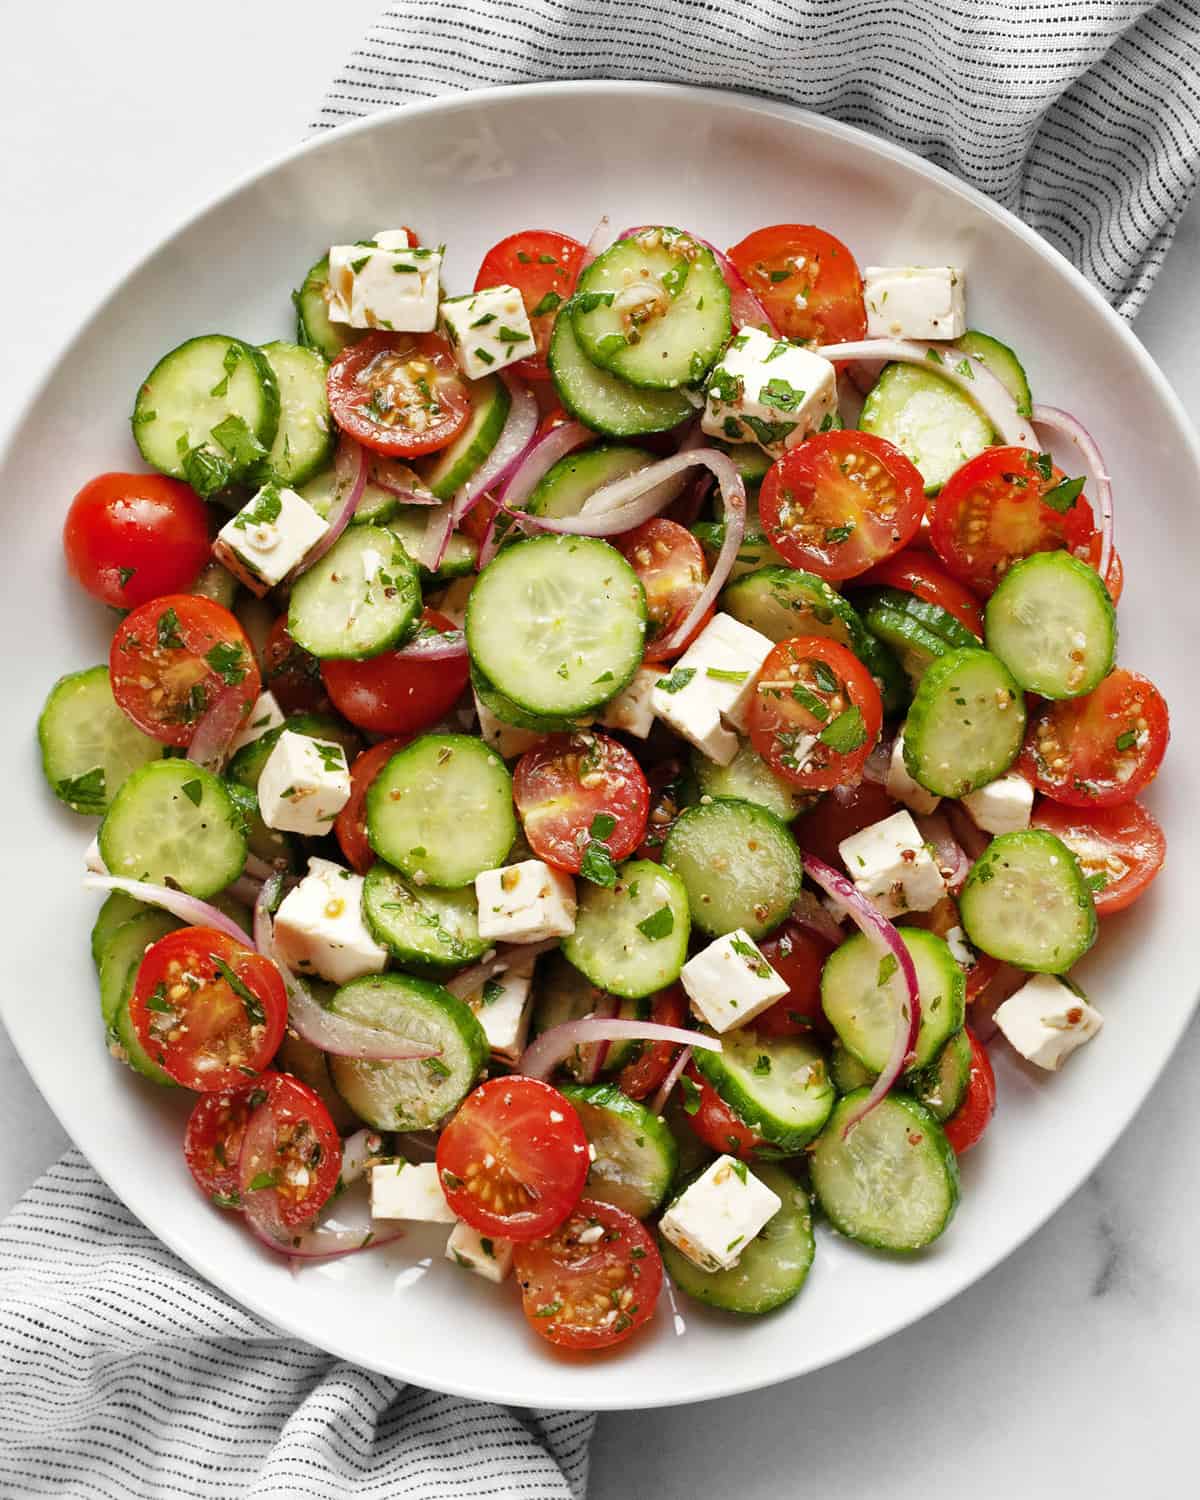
<point>1069,1370</point>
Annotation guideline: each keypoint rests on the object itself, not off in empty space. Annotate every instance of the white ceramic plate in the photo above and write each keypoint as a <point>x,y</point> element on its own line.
<point>468,170</point>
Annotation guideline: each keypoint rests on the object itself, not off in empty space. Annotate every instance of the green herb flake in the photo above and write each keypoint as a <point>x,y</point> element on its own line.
<point>167,631</point>
<point>754,960</point>
<point>1127,739</point>
<point>1042,464</point>
<point>1063,496</point>
<point>548,1310</point>
<point>157,1001</point>
<point>768,433</point>
<point>847,732</point>
<point>810,701</point>
<point>658,924</point>
<point>777,276</point>
<point>934,357</point>
<point>512,335</point>
<point>888,965</point>
<point>226,1200</point>
<point>782,395</point>
<point>435,1066</point>
<point>264,1180</point>
<point>691,1095</point>
<point>964,368</point>
<point>675,276</point>
<point>87,793</point>
<point>483,321</point>
<point>603,825</point>
<point>125,574</point>
<point>842,533</point>
<point>598,866</point>
<point>678,680</point>
<point>255,1013</point>
<point>228,661</point>
<point>587,302</point>
<point>548,304</point>
<point>193,791</point>
<point>720,674</point>
<point>1097,882</point>
<point>493,990</point>
<point>762,1064</point>
<point>826,679</point>
<point>239,442</point>
<point>484,357</point>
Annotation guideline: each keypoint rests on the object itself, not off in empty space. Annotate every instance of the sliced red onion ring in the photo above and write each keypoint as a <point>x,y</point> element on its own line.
<point>659,1102</point>
<point>538,460</point>
<point>505,955</point>
<point>350,479</point>
<point>1063,422</point>
<point>877,764</point>
<point>592,1058</point>
<point>358,1151</point>
<point>951,861</point>
<point>876,928</point>
<point>189,909</point>
<point>809,913</point>
<point>399,480</point>
<point>556,1045</point>
<point>216,728</point>
<point>438,646</point>
<point>598,242</point>
<point>968,833</point>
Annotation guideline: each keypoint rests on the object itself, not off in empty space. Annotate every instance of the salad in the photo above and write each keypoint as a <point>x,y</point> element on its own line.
<point>594,760</point>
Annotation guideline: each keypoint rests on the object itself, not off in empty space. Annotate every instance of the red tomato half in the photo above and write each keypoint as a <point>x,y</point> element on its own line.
<point>668,789</point>
<point>815,713</point>
<point>212,1142</point>
<point>514,1159</point>
<point>543,266</point>
<point>395,694</point>
<point>172,657</point>
<point>1101,750</point>
<point>350,825</point>
<point>797,956</point>
<point>575,790</point>
<point>841,502</point>
<point>292,674</point>
<point>210,1011</point>
<point>713,1120</point>
<point>399,393</point>
<point>131,537</point>
<point>970,1119</point>
<point>820,830</point>
<point>670,563</point>
<point>917,573</point>
<point>304,1160</point>
<point>648,1070</point>
<point>806,279</point>
<point>1120,849</point>
<point>584,1289</point>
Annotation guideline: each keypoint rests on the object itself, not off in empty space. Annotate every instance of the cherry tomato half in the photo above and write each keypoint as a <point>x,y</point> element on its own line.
<point>917,573</point>
<point>514,1159</point>
<point>670,563</point>
<point>172,657</point>
<point>594,1281</point>
<point>970,1119</point>
<point>212,1142</point>
<point>815,713</point>
<point>208,1010</point>
<point>397,694</point>
<point>399,393</point>
<point>543,266</point>
<point>1100,750</point>
<point>303,1160</point>
<point>648,1070</point>
<point>131,537</point>
<point>822,828</point>
<point>668,789</point>
<point>797,956</point>
<point>1120,849</point>
<point>350,825</point>
<point>713,1120</point>
<point>292,674</point>
<point>576,790</point>
<point>841,502</point>
<point>807,280</point>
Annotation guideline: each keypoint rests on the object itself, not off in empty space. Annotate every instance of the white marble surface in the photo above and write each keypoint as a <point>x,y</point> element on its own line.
<point>1069,1370</point>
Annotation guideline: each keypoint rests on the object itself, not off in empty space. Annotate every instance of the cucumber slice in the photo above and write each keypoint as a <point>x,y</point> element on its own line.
<point>636,1155</point>
<point>863,1011</point>
<point>122,955</point>
<point>409,1095</point>
<point>748,778</point>
<point>304,438</point>
<point>892,1182</point>
<point>618,1053</point>
<point>942,1086</point>
<point>752,461</point>
<point>88,746</point>
<point>118,908</point>
<point>846,1072</point>
<point>376,507</point>
<point>421,925</point>
<point>754,552</point>
<point>739,865</point>
<point>217,583</point>
<point>782,603</point>
<point>609,944</point>
<point>1003,364</point>
<point>931,617</point>
<point>131,1049</point>
<point>558,623</point>
<point>462,551</point>
<point>174,823</point>
<point>208,412</point>
<point>915,640</point>
<point>246,766</point>
<point>1052,623</point>
<point>771,1269</point>
<point>779,1086</point>
<point>927,418</point>
<point>562,489</point>
<point>270,844</point>
<point>600,400</point>
<point>511,713</point>
<point>1026,902</point>
<point>888,675</point>
<point>441,810</point>
<point>449,469</point>
<point>313,326</point>
<point>311,1066</point>
<point>965,725</point>
<point>561,994</point>
<point>653,309</point>
<point>360,600</point>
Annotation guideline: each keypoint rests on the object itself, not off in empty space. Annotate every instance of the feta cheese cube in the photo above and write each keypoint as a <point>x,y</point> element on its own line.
<point>770,392</point>
<point>487,330</point>
<point>713,681</point>
<point>902,787</point>
<point>525,903</point>
<point>915,302</point>
<point>304,784</point>
<point>891,865</point>
<point>268,537</point>
<point>730,982</point>
<point>490,1258</point>
<point>714,1220</point>
<point>378,286</point>
<point>502,1006</point>
<point>1003,806</point>
<point>264,716</point>
<point>409,1190</point>
<point>633,708</point>
<point>392,239</point>
<point>93,860</point>
<point>319,928</point>
<point>960,950</point>
<point>1047,1019</point>
<point>506,739</point>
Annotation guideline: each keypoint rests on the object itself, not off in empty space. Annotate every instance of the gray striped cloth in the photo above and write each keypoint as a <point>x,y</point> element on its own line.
<point>122,1374</point>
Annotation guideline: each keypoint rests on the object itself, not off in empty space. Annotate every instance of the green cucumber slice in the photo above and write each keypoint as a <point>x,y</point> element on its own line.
<point>930,420</point>
<point>562,489</point>
<point>361,599</point>
<point>610,944</point>
<point>618,1053</point>
<point>965,725</point>
<point>782,603</point>
<point>217,583</point>
<point>376,507</point>
<point>270,844</point>
<point>88,746</point>
<point>462,551</point>
<point>421,925</point>
<point>560,994</point>
<point>889,676</point>
<point>313,325</point>
<point>172,822</point>
<point>304,438</point>
<point>122,955</point>
<point>1052,623</point>
<point>1027,902</point>
<point>738,863</point>
<point>754,552</point>
<point>752,461</point>
<point>636,1155</point>
<point>778,1086</point>
<point>748,778</point>
<point>846,1072</point>
<point>600,400</point>
<point>1003,363</point>
<point>118,908</point>
<point>942,1086</point>
<point>913,643</point>
<point>125,1039</point>
<point>449,469</point>
<point>512,713</point>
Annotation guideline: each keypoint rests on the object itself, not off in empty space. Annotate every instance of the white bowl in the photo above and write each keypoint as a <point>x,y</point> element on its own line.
<point>468,170</point>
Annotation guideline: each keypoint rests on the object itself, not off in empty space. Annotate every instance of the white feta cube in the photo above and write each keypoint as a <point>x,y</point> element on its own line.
<point>303,785</point>
<point>268,537</point>
<point>319,928</point>
<point>377,286</point>
<point>502,1005</point>
<point>633,708</point>
<point>409,1190</point>
<point>891,865</point>
<point>487,330</point>
<point>264,716</point>
<point>506,739</point>
<point>391,239</point>
<point>902,787</point>
<point>1047,1019</point>
<point>714,1220</point>
<point>960,950</point>
<point>487,1257</point>
<point>93,860</point>
<point>704,696</point>
<point>730,982</point>
<point>525,903</point>
<point>915,302</point>
<point>1003,806</point>
<point>770,392</point>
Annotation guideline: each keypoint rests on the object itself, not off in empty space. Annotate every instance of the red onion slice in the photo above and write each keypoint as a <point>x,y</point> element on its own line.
<point>809,913</point>
<point>506,954</point>
<point>537,461</point>
<point>358,1152</point>
<point>598,242</point>
<point>876,928</point>
<point>659,1102</point>
<point>967,832</point>
<point>350,479</point>
<point>442,645</point>
<point>189,909</point>
<point>878,763</point>
<point>592,1058</point>
<point>216,728</point>
<point>554,1046</point>
<point>1063,422</point>
<point>951,861</point>
<point>398,479</point>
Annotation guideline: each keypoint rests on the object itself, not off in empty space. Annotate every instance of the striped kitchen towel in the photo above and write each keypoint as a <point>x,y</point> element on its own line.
<point>1082,116</point>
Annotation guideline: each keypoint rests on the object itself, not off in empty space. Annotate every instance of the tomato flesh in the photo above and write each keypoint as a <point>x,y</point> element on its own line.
<point>670,563</point>
<point>395,694</point>
<point>292,674</point>
<point>668,785</point>
<point>806,279</point>
<point>822,828</point>
<point>1120,849</point>
<point>132,537</point>
<point>648,1070</point>
<point>798,957</point>
<point>574,791</point>
<point>303,1160</point>
<point>350,825</point>
<point>212,1142</point>
<point>815,713</point>
<point>969,1121</point>
<point>543,266</point>
<point>713,1120</point>
<point>917,573</point>
<point>399,394</point>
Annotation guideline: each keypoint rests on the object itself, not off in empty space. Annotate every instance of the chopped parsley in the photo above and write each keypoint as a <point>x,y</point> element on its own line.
<point>548,304</point>
<point>87,793</point>
<point>228,662</point>
<point>598,866</point>
<point>782,395</point>
<point>720,674</point>
<point>1063,496</point>
<point>603,825</point>
<point>255,1013</point>
<point>847,732</point>
<point>678,680</point>
<point>691,1095</point>
<point>840,533</point>
<point>167,631</point>
<point>1127,739</point>
<point>193,791</point>
<point>658,924</point>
